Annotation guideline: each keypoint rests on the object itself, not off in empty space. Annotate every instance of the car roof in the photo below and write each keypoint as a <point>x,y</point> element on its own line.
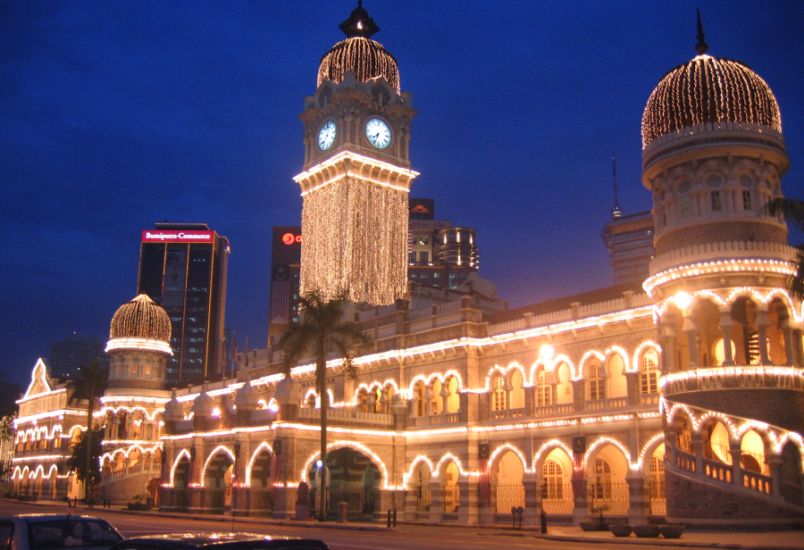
<point>210,539</point>
<point>51,517</point>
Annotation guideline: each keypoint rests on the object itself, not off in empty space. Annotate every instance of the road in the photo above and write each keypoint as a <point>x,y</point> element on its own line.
<point>404,537</point>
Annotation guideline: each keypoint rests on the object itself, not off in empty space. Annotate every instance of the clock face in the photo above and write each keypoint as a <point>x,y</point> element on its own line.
<point>378,133</point>
<point>326,135</point>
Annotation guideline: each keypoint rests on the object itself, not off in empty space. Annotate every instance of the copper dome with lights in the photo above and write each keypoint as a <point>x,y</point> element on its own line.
<point>708,90</point>
<point>141,318</point>
<point>365,58</point>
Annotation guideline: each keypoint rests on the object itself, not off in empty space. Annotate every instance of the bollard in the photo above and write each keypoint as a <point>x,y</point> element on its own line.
<point>543,521</point>
<point>394,517</point>
<point>388,523</point>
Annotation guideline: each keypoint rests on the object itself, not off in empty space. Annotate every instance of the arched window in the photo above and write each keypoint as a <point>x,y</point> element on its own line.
<point>544,390</point>
<point>648,372</point>
<point>596,382</point>
<point>420,399</point>
<point>601,488</point>
<point>553,475</point>
<point>498,393</point>
<point>362,400</point>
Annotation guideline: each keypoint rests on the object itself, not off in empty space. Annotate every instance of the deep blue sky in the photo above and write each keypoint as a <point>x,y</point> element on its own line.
<point>114,115</point>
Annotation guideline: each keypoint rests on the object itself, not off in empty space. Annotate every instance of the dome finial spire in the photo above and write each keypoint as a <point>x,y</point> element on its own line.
<point>701,47</point>
<point>359,23</point>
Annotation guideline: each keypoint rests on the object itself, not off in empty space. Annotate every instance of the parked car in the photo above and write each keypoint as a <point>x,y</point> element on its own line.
<point>219,541</point>
<point>48,531</point>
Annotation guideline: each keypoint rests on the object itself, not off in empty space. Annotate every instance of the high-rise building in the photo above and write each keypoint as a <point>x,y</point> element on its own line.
<point>439,255</point>
<point>629,240</point>
<point>183,268</point>
<point>67,356</point>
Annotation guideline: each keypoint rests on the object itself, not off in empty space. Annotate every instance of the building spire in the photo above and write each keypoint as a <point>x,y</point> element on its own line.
<point>701,47</point>
<point>616,211</point>
<point>359,23</point>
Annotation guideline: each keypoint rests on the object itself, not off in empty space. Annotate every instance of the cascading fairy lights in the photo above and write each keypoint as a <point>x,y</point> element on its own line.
<point>708,90</point>
<point>355,227</point>
<point>142,319</point>
<point>364,57</point>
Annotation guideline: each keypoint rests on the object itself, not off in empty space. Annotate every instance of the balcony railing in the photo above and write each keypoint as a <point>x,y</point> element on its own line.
<point>347,415</point>
<point>605,404</point>
<point>737,377</point>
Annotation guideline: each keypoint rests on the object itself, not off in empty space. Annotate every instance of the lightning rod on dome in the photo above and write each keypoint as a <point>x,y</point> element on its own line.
<point>701,47</point>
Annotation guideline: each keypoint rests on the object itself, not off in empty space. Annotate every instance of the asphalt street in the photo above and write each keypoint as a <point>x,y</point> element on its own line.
<point>402,537</point>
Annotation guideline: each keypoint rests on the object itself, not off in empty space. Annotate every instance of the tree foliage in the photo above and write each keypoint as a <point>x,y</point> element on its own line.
<point>322,330</point>
<point>79,458</point>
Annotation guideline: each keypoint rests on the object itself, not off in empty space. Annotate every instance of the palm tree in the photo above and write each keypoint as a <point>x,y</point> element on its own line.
<point>322,328</point>
<point>90,384</point>
<point>793,211</point>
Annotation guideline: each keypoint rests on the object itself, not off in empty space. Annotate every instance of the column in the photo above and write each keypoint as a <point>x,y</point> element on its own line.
<point>689,328</point>
<point>578,394</point>
<point>725,327</point>
<point>428,409</point>
<point>581,513</point>
<point>762,329</point>
<point>697,449</point>
<point>436,502</point>
<point>444,396</point>
<point>775,464</point>
<point>736,470</point>
<point>637,508</point>
<point>468,510</point>
<point>668,356</point>
<point>788,343</point>
<point>632,383</point>
<point>533,499</point>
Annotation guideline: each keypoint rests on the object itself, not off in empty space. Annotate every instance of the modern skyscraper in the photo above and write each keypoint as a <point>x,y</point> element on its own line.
<point>629,240</point>
<point>183,267</point>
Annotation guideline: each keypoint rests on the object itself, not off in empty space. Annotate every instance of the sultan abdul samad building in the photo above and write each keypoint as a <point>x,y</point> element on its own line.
<point>677,398</point>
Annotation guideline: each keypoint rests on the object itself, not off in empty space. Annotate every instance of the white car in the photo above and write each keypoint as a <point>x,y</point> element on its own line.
<point>49,531</point>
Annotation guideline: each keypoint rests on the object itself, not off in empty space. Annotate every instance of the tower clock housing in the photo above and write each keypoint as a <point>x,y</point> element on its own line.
<point>357,174</point>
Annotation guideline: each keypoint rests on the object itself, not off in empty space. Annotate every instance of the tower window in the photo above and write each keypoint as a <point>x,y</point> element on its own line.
<point>747,205</point>
<point>412,257</point>
<point>686,207</point>
<point>717,205</point>
<point>423,257</point>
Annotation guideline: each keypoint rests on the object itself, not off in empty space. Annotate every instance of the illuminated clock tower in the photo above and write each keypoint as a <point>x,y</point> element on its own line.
<point>357,175</point>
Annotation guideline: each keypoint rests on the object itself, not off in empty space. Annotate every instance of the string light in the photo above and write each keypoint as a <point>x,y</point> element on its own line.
<point>365,58</point>
<point>141,318</point>
<point>778,267</point>
<point>355,241</point>
<point>708,91</point>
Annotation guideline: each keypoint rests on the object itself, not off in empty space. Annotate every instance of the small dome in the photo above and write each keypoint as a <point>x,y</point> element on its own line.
<point>708,90</point>
<point>361,55</point>
<point>141,318</point>
<point>173,409</point>
<point>364,57</point>
<point>246,399</point>
<point>203,404</point>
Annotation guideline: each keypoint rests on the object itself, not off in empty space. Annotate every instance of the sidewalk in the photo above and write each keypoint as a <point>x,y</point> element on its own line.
<point>778,540</point>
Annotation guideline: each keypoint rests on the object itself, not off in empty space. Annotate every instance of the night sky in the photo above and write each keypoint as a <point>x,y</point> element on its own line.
<point>114,115</point>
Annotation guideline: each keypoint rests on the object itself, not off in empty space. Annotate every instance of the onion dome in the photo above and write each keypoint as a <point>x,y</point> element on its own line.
<point>246,399</point>
<point>708,90</point>
<point>203,404</point>
<point>140,324</point>
<point>173,409</point>
<point>365,58</point>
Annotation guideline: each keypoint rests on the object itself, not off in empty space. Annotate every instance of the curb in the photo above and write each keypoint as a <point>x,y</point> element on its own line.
<point>665,542</point>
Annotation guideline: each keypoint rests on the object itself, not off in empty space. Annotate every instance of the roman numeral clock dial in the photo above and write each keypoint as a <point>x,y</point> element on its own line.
<point>326,135</point>
<point>378,133</point>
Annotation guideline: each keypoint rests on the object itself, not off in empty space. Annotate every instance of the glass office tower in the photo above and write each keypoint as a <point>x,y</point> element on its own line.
<point>183,268</point>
